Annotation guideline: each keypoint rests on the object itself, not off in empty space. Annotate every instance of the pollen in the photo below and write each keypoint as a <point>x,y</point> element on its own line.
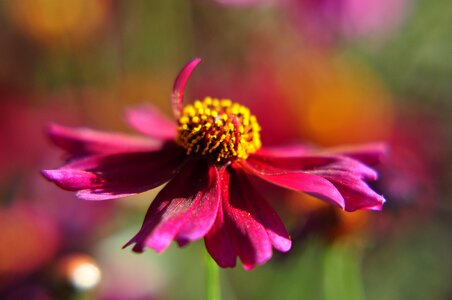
<point>219,129</point>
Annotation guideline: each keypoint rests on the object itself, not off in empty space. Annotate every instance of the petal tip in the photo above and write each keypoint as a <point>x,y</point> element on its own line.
<point>137,248</point>
<point>226,265</point>
<point>380,205</point>
<point>248,267</point>
<point>52,126</point>
<point>50,175</point>
<point>54,130</point>
<point>179,85</point>
<point>49,127</point>
<point>284,246</point>
<point>251,266</point>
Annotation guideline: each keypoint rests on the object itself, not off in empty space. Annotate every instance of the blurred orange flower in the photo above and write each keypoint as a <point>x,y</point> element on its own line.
<point>337,101</point>
<point>28,240</point>
<point>54,22</point>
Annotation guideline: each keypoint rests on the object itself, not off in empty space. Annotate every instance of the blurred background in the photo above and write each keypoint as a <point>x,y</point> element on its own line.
<point>324,72</point>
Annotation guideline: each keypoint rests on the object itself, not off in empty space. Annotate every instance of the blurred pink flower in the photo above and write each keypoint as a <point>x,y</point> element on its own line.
<point>411,169</point>
<point>326,20</point>
<point>208,158</point>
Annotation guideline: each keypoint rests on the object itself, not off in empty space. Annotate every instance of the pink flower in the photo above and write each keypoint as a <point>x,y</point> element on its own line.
<point>325,20</point>
<point>208,156</point>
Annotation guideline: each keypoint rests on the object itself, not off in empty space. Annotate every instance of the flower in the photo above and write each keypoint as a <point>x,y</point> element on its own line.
<point>52,24</point>
<point>209,158</point>
<point>32,253</point>
<point>328,20</point>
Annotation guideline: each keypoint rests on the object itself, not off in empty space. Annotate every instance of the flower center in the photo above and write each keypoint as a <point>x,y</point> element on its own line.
<point>219,129</point>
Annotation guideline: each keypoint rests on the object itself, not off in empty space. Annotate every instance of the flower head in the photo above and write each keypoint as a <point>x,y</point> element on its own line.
<point>208,156</point>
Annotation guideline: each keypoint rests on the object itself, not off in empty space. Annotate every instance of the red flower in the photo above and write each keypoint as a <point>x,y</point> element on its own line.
<point>208,157</point>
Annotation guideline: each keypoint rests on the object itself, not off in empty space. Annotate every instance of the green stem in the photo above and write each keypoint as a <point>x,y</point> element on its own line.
<point>212,278</point>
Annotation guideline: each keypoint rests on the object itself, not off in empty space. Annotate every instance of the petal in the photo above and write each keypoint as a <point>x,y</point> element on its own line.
<point>294,150</point>
<point>218,242</point>
<point>174,205</point>
<point>204,213</point>
<point>177,97</point>
<point>335,178</point>
<point>370,154</point>
<point>110,176</point>
<point>72,180</point>
<point>82,141</point>
<point>316,161</point>
<point>357,194</point>
<point>249,237</point>
<point>148,120</point>
<point>276,230</point>
<point>296,180</point>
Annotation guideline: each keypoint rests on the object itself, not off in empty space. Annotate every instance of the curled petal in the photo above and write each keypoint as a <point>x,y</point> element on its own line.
<point>82,141</point>
<point>101,177</point>
<point>148,120</point>
<point>177,97</point>
<point>195,185</point>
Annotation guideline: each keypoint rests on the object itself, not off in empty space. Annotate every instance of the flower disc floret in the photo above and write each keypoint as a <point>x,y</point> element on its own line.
<point>219,129</point>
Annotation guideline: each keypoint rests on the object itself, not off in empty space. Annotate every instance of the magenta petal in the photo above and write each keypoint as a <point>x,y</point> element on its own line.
<point>346,164</point>
<point>315,175</point>
<point>310,162</point>
<point>295,150</point>
<point>177,97</point>
<point>110,176</point>
<point>296,180</point>
<point>370,154</point>
<point>72,180</point>
<point>248,235</point>
<point>357,194</point>
<point>268,217</point>
<point>150,121</point>
<point>87,141</point>
<point>100,194</point>
<point>218,242</point>
<point>204,213</point>
<point>175,204</point>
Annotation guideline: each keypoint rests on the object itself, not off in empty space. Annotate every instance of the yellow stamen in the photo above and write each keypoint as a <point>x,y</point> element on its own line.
<point>219,129</point>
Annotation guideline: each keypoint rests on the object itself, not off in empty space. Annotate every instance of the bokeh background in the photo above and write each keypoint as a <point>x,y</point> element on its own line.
<point>324,72</point>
